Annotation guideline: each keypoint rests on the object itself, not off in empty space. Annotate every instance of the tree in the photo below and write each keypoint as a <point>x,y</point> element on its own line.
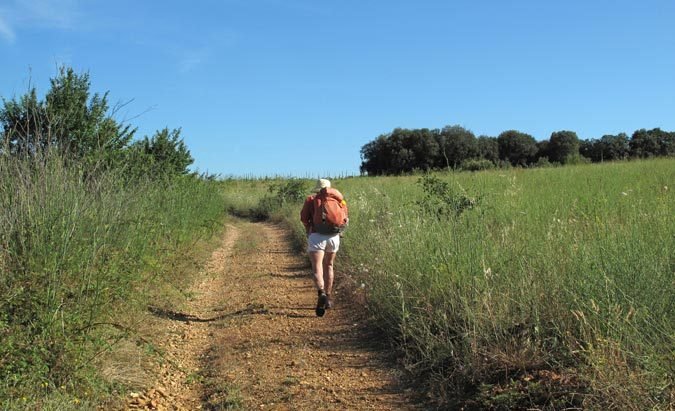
<point>400,158</point>
<point>25,129</point>
<point>68,120</point>
<point>456,144</point>
<point>543,147</point>
<point>487,148</point>
<point>587,149</point>
<point>614,147</point>
<point>609,147</point>
<point>400,151</point>
<point>644,143</point>
<point>163,154</point>
<point>667,143</point>
<point>423,148</point>
<point>563,145</point>
<point>516,147</point>
<point>374,156</point>
<point>82,124</point>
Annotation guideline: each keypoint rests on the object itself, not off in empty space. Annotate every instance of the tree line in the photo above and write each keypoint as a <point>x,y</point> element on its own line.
<point>455,147</point>
<point>81,126</point>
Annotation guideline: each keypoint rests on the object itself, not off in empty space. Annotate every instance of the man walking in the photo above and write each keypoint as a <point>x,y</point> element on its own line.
<point>324,215</point>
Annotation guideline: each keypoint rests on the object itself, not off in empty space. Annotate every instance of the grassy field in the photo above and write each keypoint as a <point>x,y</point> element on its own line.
<point>507,288</point>
<point>511,288</point>
<point>81,256</point>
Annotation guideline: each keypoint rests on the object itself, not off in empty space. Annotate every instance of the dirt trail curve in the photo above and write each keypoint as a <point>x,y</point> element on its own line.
<point>250,339</point>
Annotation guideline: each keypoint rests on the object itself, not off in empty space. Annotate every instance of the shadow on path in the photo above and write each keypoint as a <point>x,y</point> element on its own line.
<point>251,309</point>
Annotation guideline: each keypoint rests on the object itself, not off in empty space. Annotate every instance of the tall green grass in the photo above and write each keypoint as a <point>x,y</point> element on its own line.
<point>567,270</point>
<point>79,253</point>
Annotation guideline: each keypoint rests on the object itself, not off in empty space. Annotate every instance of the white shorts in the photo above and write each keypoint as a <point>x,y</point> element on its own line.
<point>329,243</point>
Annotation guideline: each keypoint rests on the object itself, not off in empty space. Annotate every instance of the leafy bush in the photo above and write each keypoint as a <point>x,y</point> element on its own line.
<point>278,195</point>
<point>504,165</point>
<point>440,200</point>
<point>542,162</point>
<point>477,165</point>
<point>576,159</point>
<point>292,190</point>
<point>163,155</point>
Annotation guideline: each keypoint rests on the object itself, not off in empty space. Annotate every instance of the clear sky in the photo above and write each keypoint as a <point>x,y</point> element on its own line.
<point>297,87</point>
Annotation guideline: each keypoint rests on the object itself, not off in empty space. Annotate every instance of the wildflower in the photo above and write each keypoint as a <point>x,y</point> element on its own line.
<point>363,285</point>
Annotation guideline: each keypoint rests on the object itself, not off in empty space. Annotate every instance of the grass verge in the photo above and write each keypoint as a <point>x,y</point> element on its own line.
<point>81,256</point>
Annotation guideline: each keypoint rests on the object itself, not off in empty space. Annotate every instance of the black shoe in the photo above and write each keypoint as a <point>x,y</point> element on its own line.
<point>321,304</point>
<point>329,302</point>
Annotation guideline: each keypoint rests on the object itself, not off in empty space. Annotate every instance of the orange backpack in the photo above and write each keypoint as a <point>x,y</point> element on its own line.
<point>330,212</point>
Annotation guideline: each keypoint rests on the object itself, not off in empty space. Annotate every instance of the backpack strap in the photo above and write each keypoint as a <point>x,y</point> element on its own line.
<point>322,196</point>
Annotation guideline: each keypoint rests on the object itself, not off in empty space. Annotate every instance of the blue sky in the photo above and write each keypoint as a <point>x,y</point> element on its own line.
<point>297,87</point>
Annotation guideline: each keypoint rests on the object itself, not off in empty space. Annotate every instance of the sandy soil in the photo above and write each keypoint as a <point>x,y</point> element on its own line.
<point>249,338</point>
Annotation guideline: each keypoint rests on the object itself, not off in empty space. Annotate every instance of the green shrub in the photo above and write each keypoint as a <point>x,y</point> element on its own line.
<point>575,159</point>
<point>440,200</point>
<point>477,165</point>
<point>278,195</point>
<point>542,162</point>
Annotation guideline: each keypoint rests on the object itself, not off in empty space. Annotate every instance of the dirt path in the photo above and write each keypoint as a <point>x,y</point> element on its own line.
<point>249,339</point>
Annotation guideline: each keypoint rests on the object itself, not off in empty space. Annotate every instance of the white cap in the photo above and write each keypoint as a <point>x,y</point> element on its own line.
<point>322,183</point>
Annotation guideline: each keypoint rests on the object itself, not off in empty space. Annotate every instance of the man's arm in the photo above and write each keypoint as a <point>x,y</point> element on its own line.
<point>306,214</point>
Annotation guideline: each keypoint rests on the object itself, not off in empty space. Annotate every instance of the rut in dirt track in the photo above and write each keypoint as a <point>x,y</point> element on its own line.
<point>254,342</point>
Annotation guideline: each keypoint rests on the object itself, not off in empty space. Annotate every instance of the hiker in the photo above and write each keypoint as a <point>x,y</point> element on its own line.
<point>324,216</point>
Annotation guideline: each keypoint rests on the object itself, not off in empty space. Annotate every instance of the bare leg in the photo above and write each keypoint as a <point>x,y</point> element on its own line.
<point>328,272</point>
<point>316,257</point>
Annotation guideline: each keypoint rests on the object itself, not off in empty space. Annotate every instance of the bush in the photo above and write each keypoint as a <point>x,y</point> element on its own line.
<point>503,165</point>
<point>543,162</point>
<point>440,200</point>
<point>278,195</point>
<point>477,165</point>
<point>575,159</point>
